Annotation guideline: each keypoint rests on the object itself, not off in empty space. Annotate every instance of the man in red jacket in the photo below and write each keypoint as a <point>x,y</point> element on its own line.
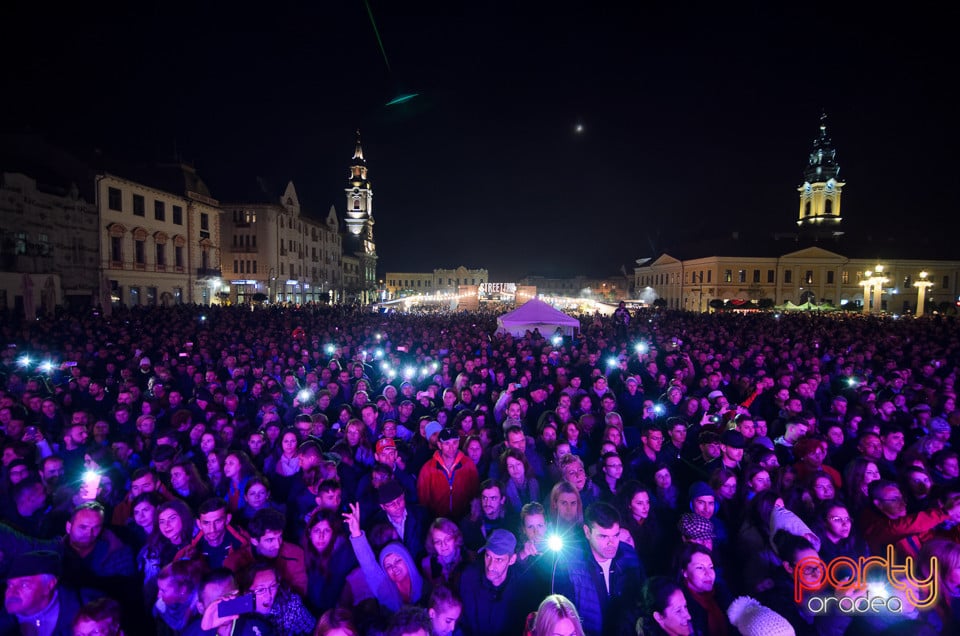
<point>449,480</point>
<point>888,523</point>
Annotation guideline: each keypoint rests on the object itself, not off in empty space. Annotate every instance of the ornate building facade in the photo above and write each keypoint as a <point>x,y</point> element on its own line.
<point>274,252</point>
<point>48,245</point>
<point>159,238</point>
<point>439,281</point>
<point>817,263</point>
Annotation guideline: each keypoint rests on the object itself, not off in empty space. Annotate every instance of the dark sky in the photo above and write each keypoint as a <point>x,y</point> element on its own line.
<point>695,120</point>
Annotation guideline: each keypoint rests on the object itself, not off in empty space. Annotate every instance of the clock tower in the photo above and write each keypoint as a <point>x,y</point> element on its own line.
<point>359,223</point>
<point>820,193</point>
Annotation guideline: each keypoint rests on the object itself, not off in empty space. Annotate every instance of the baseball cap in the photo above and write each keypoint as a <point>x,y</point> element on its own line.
<point>385,443</point>
<point>694,527</point>
<point>448,434</point>
<point>501,542</point>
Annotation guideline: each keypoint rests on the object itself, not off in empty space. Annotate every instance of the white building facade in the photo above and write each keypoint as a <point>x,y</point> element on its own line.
<point>158,247</point>
<point>272,249</point>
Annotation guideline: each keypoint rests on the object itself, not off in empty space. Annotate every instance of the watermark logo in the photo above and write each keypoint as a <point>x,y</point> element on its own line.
<point>868,585</point>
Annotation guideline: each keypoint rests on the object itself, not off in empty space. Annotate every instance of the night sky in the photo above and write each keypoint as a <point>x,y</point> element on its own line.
<point>693,120</point>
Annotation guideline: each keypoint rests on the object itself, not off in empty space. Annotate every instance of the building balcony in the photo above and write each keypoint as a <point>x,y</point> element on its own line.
<point>208,272</point>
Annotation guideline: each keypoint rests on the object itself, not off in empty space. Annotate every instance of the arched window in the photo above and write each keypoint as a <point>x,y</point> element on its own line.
<point>806,209</point>
<point>828,206</point>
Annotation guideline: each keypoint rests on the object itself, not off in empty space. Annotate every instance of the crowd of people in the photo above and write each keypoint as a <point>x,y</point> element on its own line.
<point>323,470</point>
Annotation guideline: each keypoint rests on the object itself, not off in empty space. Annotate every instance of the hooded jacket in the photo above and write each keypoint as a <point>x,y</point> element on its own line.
<point>448,493</point>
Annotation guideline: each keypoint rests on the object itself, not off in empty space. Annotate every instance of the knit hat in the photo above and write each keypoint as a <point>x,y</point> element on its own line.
<point>700,489</point>
<point>753,619</point>
<point>432,428</point>
<point>33,563</point>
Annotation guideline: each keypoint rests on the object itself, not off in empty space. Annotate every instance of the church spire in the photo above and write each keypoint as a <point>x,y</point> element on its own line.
<point>821,189</point>
<point>822,165</point>
<point>358,151</point>
<point>358,168</point>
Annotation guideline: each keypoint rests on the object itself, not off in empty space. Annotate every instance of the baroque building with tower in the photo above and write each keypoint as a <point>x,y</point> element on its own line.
<point>816,265</point>
<point>83,234</point>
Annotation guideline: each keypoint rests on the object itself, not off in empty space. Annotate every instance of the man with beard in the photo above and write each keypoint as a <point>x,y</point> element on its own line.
<point>492,516</point>
<point>495,595</point>
<point>51,473</point>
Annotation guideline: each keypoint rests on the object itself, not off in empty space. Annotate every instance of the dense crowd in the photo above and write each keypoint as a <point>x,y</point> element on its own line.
<point>323,470</point>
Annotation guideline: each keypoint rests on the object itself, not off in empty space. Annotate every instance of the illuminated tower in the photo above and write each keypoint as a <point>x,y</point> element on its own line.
<point>359,221</point>
<point>821,189</point>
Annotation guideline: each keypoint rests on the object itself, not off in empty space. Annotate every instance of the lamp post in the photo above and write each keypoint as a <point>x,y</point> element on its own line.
<point>921,286</point>
<point>879,281</point>
<point>873,279</point>
<point>866,283</point>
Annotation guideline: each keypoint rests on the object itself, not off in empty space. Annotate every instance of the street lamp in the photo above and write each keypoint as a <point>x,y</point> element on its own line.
<point>873,279</point>
<point>921,286</point>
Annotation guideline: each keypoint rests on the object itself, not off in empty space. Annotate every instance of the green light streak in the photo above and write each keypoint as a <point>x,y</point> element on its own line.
<point>376,32</point>
<point>401,99</point>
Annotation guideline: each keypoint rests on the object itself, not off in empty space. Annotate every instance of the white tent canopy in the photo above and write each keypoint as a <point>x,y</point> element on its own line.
<point>536,314</point>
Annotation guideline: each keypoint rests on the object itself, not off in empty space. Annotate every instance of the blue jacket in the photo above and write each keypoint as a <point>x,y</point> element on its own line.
<point>580,579</point>
<point>494,611</point>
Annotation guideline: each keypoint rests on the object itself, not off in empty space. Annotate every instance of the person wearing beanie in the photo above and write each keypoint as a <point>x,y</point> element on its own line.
<point>703,502</point>
<point>811,453</point>
<point>753,619</point>
<point>449,480</point>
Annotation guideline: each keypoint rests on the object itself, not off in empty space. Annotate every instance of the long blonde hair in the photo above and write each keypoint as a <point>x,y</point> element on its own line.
<point>552,610</point>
